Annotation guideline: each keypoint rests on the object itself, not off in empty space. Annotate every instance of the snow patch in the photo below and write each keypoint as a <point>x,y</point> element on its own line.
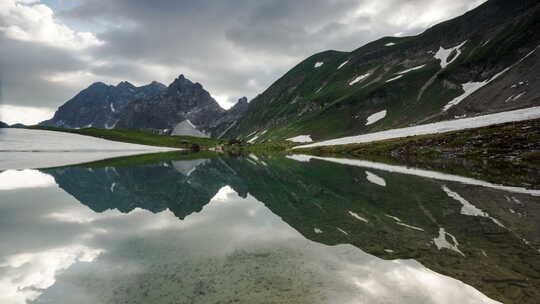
<point>393,217</point>
<point>23,149</point>
<point>301,139</point>
<point>390,44</point>
<point>514,98</point>
<point>394,78</point>
<point>376,117</point>
<point>471,87</point>
<point>112,187</point>
<point>253,139</point>
<point>342,231</point>
<point>441,242</point>
<point>358,217</point>
<point>300,157</point>
<point>108,127</point>
<point>417,172</point>
<point>434,128</point>
<point>411,69</point>
<point>443,54</point>
<point>318,64</point>
<point>359,78</point>
<point>409,226</point>
<point>468,208</point>
<point>342,64</point>
<point>372,178</point>
<point>317,230</point>
<point>252,156</point>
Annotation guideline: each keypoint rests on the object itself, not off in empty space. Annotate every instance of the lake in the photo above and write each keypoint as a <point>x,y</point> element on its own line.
<point>264,229</point>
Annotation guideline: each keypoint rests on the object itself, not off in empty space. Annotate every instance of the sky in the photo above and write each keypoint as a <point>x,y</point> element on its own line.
<point>52,49</point>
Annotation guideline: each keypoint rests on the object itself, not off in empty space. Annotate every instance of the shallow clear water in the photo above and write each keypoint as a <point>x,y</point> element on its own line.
<point>260,229</point>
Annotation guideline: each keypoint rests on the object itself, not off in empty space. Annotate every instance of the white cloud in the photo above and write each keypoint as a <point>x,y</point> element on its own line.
<point>26,115</point>
<point>45,60</point>
<point>27,275</point>
<point>33,22</point>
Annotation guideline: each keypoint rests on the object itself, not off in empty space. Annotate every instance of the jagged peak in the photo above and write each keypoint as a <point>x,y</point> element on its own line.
<point>156,83</point>
<point>241,105</point>
<point>125,84</point>
<point>97,84</point>
<point>181,81</point>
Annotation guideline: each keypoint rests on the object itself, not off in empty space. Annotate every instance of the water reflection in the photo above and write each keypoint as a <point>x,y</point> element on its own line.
<point>264,230</point>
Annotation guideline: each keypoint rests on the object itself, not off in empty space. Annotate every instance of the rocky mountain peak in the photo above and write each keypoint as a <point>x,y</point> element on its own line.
<point>97,85</point>
<point>157,85</point>
<point>182,86</point>
<point>240,106</point>
<point>125,85</point>
<point>242,100</point>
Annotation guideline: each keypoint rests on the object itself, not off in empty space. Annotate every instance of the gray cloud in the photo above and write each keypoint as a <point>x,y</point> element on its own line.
<point>234,48</point>
<point>23,65</point>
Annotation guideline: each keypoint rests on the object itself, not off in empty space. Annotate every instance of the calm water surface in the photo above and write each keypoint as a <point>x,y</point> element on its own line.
<point>259,229</point>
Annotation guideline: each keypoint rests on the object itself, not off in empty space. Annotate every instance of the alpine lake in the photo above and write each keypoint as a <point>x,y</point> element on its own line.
<point>198,228</point>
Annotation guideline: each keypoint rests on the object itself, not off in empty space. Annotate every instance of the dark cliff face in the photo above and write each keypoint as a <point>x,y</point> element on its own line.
<point>331,94</point>
<point>100,105</point>
<point>182,100</point>
<point>153,107</point>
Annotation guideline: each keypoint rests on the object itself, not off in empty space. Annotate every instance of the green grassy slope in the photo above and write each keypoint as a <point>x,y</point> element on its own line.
<point>320,101</point>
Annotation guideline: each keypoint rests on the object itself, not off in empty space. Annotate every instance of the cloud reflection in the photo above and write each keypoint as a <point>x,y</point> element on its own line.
<point>17,179</point>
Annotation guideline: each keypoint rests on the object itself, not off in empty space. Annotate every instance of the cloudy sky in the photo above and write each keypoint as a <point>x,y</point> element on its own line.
<point>52,49</point>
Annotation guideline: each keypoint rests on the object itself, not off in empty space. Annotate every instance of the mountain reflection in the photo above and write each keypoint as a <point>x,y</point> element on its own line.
<point>485,237</point>
<point>183,187</point>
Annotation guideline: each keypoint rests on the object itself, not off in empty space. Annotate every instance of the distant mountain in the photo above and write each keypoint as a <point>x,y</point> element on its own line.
<point>182,100</point>
<point>100,105</point>
<point>230,119</point>
<point>182,108</point>
<point>482,62</point>
<point>17,125</point>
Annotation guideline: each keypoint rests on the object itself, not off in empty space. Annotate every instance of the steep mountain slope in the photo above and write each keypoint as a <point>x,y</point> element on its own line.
<point>100,105</point>
<point>485,61</point>
<point>183,100</point>
<point>230,118</point>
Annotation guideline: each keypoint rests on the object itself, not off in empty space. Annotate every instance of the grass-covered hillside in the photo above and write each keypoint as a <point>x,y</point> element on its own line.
<point>489,51</point>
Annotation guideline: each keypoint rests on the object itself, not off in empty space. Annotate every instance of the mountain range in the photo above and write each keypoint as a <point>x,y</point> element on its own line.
<point>484,61</point>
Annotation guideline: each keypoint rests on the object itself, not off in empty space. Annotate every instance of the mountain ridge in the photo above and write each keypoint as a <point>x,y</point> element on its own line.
<point>403,76</point>
<point>99,105</point>
<point>152,107</point>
